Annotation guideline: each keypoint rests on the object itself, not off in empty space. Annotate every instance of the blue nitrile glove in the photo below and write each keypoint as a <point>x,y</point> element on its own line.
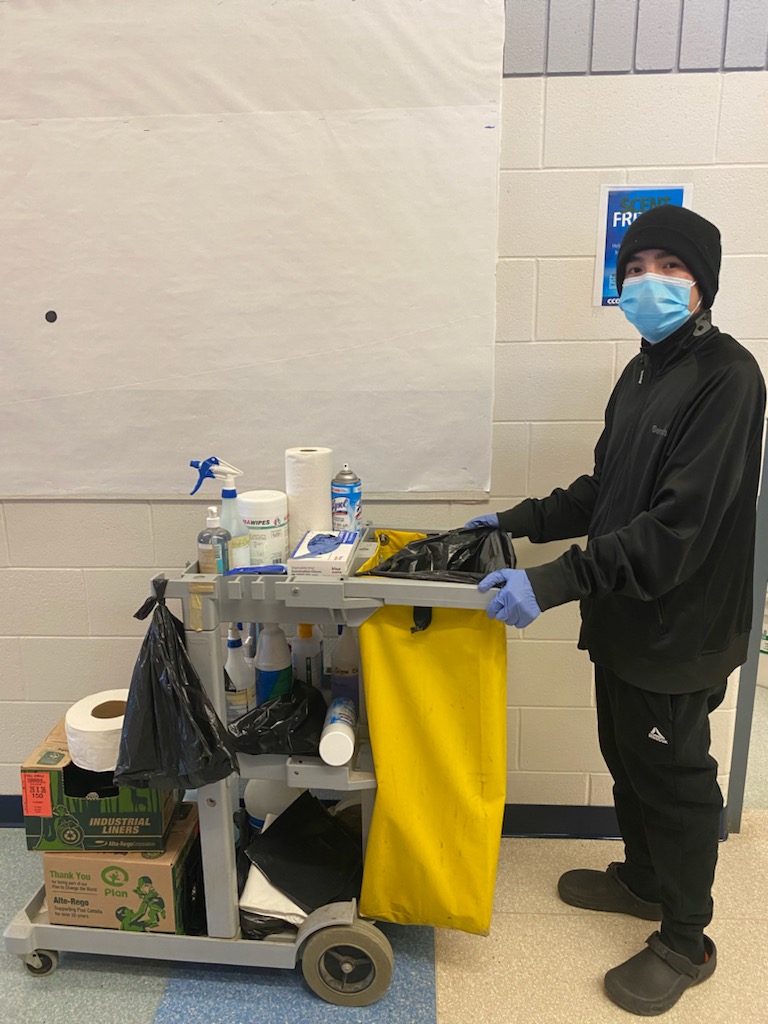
<point>516,602</point>
<point>491,519</point>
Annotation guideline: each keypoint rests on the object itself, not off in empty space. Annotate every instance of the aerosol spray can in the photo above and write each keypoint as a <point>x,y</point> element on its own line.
<point>346,501</point>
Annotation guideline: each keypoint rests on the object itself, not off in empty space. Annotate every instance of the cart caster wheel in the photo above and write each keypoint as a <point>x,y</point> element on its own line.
<point>349,965</point>
<point>42,962</point>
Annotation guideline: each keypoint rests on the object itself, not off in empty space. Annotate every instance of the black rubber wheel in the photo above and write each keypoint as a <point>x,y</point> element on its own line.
<point>49,961</point>
<point>349,965</point>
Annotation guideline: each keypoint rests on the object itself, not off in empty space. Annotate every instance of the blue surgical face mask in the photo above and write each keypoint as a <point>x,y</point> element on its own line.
<point>655,304</point>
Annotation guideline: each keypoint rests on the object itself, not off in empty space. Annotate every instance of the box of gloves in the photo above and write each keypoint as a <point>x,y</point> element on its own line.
<point>324,553</point>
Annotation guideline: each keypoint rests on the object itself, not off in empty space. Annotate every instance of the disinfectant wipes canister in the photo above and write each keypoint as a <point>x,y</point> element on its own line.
<point>265,513</point>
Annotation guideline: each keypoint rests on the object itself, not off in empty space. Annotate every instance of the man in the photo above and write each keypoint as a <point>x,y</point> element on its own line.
<point>665,584</point>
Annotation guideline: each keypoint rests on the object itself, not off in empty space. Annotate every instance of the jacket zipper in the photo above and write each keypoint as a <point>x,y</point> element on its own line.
<point>644,364</point>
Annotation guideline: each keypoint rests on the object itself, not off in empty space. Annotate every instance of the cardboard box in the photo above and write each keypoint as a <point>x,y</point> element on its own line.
<point>337,562</point>
<point>136,892</point>
<point>67,808</point>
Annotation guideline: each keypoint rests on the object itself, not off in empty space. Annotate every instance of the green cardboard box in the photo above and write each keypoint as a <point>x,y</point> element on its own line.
<point>68,808</point>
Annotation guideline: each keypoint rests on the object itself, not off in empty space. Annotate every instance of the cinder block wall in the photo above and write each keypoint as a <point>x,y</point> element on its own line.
<point>73,573</point>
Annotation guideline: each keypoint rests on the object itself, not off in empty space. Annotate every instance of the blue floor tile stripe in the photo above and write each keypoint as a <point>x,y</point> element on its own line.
<point>200,994</point>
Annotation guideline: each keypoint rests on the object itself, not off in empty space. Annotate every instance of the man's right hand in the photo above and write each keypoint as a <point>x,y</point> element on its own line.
<point>491,519</point>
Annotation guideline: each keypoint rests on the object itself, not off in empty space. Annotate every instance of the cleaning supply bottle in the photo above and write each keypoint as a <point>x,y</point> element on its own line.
<point>274,674</point>
<point>213,545</point>
<point>337,740</point>
<point>346,500</point>
<point>239,679</point>
<point>250,637</point>
<point>345,666</point>
<point>267,796</point>
<point>307,655</point>
<point>231,520</point>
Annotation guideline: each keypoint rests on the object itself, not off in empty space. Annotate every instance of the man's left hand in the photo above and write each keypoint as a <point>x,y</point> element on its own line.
<point>515,604</point>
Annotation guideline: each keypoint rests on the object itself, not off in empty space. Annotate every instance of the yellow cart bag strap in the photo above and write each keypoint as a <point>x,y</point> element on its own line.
<point>436,702</point>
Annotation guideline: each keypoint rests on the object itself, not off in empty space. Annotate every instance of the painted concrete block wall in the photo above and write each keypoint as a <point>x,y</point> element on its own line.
<point>581,37</point>
<point>557,356</point>
<point>73,573</point>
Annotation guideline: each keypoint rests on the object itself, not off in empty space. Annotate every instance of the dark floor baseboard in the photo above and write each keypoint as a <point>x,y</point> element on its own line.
<point>11,815</point>
<point>554,821</point>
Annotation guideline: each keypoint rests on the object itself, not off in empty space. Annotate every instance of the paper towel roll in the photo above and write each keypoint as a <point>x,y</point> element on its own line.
<point>308,475</point>
<point>93,728</point>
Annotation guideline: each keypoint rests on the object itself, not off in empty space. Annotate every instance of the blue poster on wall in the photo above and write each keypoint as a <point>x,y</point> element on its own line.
<point>620,205</point>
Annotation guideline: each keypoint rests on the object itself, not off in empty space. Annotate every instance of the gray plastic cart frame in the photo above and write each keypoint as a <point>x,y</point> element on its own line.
<point>208,601</point>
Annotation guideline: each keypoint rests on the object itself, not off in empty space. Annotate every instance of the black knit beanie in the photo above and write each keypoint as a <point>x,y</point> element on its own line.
<point>680,232</point>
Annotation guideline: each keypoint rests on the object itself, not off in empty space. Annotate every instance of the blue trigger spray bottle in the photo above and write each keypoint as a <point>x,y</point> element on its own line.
<point>214,469</point>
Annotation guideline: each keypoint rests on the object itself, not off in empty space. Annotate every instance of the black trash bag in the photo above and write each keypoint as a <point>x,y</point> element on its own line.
<point>245,834</point>
<point>289,724</point>
<point>259,926</point>
<point>458,556</point>
<point>172,738</point>
<point>309,855</point>
<point>191,900</point>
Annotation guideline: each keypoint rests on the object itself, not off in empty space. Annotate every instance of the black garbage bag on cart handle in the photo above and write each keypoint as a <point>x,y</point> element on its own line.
<point>172,737</point>
<point>464,555</point>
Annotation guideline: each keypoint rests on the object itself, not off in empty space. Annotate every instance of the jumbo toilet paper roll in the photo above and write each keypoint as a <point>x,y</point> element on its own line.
<point>93,727</point>
<point>308,475</point>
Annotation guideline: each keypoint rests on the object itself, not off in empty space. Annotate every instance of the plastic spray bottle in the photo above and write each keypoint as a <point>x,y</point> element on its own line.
<point>239,679</point>
<point>213,545</point>
<point>307,655</point>
<point>274,675</point>
<point>345,667</point>
<point>250,636</point>
<point>231,520</point>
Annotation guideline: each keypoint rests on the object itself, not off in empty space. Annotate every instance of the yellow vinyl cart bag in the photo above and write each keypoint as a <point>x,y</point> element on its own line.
<point>436,701</point>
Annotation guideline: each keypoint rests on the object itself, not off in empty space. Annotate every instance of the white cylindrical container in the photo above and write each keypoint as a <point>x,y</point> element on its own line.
<point>265,513</point>
<point>267,796</point>
<point>337,740</point>
<point>308,473</point>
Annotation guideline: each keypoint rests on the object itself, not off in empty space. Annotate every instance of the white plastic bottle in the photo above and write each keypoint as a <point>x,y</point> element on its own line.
<point>267,796</point>
<point>274,673</point>
<point>307,655</point>
<point>337,740</point>
<point>345,666</point>
<point>240,680</point>
<point>213,545</point>
<point>231,520</point>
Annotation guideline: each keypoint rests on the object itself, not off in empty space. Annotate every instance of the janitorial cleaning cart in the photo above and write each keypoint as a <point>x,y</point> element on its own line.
<point>345,957</point>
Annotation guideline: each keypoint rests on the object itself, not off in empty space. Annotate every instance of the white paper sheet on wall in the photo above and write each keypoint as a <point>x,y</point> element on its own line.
<point>259,225</point>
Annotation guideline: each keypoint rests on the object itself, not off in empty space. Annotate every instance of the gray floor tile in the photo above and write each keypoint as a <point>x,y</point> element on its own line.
<point>529,870</point>
<point>756,783</point>
<point>536,969</point>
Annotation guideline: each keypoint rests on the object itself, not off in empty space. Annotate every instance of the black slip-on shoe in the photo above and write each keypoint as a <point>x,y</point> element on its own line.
<point>604,890</point>
<point>653,980</point>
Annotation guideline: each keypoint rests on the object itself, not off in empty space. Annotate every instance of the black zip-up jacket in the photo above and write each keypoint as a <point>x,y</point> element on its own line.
<point>665,581</point>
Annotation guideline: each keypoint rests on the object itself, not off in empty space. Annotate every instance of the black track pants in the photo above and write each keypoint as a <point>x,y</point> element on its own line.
<point>668,802</point>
